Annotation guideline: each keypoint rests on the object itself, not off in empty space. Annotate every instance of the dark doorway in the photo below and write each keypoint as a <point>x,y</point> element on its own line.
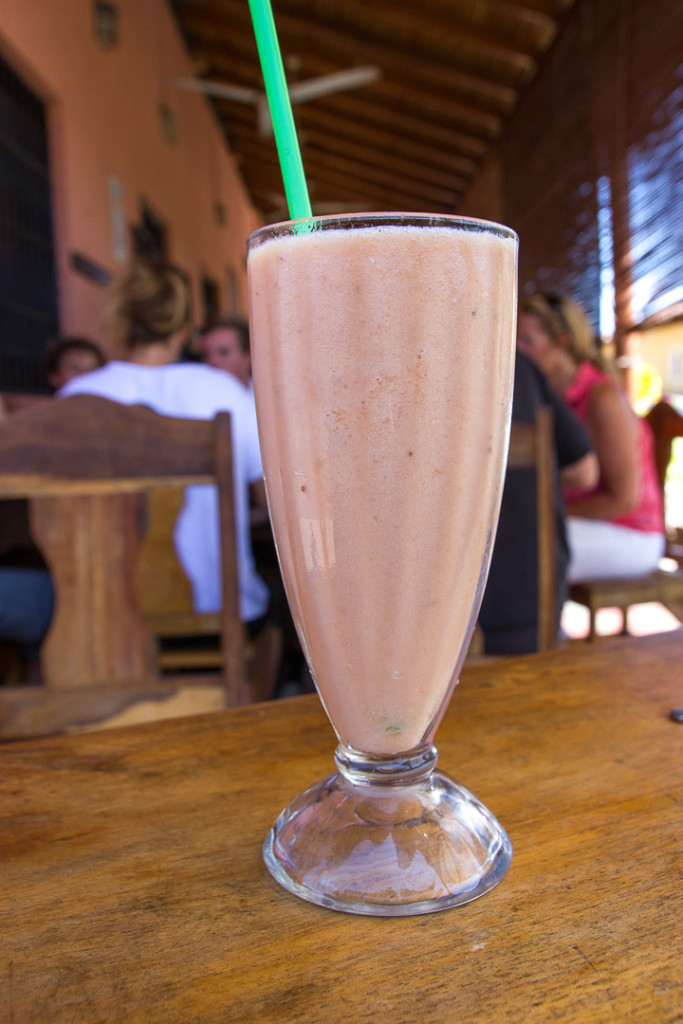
<point>28,287</point>
<point>210,299</point>
<point>150,236</point>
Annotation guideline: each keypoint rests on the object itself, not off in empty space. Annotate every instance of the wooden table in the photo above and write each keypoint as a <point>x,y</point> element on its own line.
<point>132,885</point>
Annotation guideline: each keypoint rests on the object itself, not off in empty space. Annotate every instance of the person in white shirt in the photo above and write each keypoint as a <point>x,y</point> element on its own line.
<point>148,318</point>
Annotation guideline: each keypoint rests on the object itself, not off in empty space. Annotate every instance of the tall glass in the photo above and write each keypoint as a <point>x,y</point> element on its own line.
<point>382,349</point>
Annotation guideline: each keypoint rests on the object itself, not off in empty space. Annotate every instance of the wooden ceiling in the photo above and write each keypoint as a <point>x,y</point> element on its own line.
<point>451,75</point>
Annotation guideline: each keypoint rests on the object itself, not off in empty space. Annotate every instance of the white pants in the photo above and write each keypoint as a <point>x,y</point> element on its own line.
<point>604,551</point>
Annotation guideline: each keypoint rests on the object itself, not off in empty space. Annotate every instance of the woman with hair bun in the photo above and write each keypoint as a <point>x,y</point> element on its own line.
<point>147,316</point>
<point>616,529</point>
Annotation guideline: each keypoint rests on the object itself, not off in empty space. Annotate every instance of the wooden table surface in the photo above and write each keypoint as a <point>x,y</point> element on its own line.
<point>132,886</point>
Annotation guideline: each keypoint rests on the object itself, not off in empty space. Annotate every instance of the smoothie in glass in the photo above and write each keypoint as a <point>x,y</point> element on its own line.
<point>382,360</point>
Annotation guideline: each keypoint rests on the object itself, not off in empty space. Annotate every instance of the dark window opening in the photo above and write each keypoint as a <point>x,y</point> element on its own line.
<point>150,240</point>
<point>210,299</point>
<point>28,287</point>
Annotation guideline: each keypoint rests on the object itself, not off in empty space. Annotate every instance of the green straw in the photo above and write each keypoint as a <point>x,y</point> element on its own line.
<point>280,109</point>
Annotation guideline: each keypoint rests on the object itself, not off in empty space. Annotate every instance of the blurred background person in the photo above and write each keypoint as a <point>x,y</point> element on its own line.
<point>616,528</point>
<point>26,608</point>
<point>224,345</point>
<point>66,358</point>
<point>509,612</point>
<point>147,316</point>
<point>26,593</point>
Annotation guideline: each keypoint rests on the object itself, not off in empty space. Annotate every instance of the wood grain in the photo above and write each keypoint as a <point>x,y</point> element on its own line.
<point>91,545</point>
<point>133,887</point>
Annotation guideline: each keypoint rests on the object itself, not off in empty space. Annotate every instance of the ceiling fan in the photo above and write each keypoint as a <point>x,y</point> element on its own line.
<point>299,92</point>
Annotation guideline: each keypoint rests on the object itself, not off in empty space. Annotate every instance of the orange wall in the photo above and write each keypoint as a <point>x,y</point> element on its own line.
<point>104,119</point>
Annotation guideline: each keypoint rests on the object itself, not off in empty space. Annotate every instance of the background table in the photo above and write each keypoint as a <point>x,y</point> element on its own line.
<point>132,886</point>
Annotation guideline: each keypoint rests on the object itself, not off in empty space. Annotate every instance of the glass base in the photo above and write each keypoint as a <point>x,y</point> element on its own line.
<point>396,842</point>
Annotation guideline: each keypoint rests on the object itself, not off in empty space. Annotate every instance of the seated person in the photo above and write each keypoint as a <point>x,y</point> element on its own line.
<point>225,346</point>
<point>147,316</point>
<point>509,612</point>
<point>66,358</point>
<point>26,606</point>
<point>26,593</point>
<point>616,527</point>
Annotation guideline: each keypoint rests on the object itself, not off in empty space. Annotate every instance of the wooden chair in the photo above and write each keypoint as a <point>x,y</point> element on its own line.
<point>165,593</point>
<point>532,447</point>
<point>87,464</point>
<point>187,640</point>
<point>660,585</point>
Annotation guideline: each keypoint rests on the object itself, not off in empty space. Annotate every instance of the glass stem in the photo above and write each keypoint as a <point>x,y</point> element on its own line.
<point>405,769</point>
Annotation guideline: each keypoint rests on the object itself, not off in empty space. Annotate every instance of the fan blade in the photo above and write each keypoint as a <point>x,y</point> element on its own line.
<point>324,85</point>
<point>237,93</point>
<point>299,92</point>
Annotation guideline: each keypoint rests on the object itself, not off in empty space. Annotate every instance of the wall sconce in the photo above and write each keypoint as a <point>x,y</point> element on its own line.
<point>105,24</point>
<point>169,124</point>
<point>220,213</point>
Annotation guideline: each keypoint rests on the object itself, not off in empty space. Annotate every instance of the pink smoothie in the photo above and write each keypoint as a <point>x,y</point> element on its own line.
<point>383,371</point>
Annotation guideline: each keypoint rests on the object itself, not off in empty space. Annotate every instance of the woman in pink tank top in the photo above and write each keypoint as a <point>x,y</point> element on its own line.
<point>617,529</point>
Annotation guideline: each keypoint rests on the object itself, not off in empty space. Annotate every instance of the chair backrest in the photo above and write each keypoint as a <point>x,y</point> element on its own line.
<point>86,465</point>
<point>666,425</point>
<point>86,445</point>
<point>531,447</point>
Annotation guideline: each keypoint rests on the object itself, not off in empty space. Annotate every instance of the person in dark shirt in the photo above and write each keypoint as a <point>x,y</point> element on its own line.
<point>509,612</point>
<point>66,358</point>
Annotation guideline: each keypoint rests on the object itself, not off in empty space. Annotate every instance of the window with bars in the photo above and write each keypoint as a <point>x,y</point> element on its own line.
<point>28,289</point>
